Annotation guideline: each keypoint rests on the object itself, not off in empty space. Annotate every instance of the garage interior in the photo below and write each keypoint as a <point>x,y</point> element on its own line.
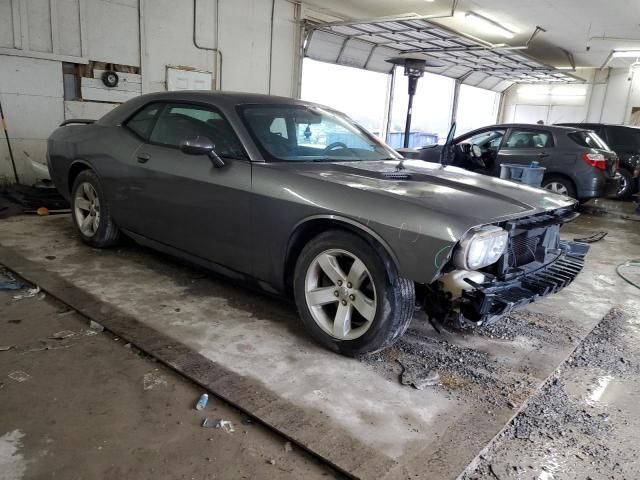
<point>104,353</point>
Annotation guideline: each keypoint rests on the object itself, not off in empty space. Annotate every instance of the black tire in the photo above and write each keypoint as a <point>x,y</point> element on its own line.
<point>395,296</point>
<point>110,78</point>
<point>627,190</point>
<point>565,182</point>
<point>107,233</point>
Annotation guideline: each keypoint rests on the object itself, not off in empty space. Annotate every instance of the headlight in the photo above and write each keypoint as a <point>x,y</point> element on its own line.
<point>482,248</point>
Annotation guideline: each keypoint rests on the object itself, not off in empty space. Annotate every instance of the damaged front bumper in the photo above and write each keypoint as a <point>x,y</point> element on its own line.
<point>489,300</point>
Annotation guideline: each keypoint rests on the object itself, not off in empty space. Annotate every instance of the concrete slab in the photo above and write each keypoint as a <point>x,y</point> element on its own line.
<point>249,349</point>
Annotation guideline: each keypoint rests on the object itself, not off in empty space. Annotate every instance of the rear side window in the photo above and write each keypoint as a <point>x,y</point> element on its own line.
<point>529,139</point>
<point>178,121</point>
<point>627,137</point>
<point>142,122</point>
<point>588,139</point>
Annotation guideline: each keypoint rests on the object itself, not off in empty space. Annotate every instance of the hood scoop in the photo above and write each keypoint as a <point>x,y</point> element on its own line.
<point>396,175</point>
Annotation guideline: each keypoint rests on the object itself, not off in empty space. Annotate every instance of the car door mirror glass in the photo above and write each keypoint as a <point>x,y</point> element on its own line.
<point>197,145</point>
<point>200,145</point>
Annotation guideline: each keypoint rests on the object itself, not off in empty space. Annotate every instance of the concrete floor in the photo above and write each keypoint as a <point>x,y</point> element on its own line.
<point>94,407</point>
<point>430,434</point>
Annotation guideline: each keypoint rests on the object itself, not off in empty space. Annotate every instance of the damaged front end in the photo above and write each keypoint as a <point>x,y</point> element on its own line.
<point>534,263</point>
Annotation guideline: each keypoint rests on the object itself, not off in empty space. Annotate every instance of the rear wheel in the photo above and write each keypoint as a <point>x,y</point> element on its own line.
<point>626,185</point>
<point>91,213</point>
<point>349,295</point>
<point>559,185</point>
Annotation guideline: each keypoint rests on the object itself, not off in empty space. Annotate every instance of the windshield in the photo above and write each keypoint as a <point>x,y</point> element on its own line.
<point>294,133</point>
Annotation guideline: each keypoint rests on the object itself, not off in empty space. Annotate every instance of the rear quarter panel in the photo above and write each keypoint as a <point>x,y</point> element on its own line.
<point>105,149</point>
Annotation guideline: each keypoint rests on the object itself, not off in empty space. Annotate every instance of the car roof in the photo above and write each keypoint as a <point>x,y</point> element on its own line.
<point>636,127</point>
<point>237,98</point>
<point>536,125</point>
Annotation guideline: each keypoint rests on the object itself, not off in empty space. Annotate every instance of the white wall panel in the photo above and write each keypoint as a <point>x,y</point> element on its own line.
<point>6,24</point>
<point>39,25</point>
<point>30,76</point>
<point>93,110</point>
<point>245,32</point>
<point>285,49</point>
<point>66,27</point>
<point>112,31</point>
<point>168,26</point>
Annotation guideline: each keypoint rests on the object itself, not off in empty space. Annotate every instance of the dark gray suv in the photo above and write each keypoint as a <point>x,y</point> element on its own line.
<point>578,163</point>
<point>625,141</point>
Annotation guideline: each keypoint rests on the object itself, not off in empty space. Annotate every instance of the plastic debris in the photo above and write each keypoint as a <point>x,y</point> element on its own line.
<point>5,348</point>
<point>10,285</point>
<point>225,425</point>
<point>19,376</point>
<point>271,461</point>
<point>288,447</point>
<point>42,211</point>
<point>594,237</point>
<point>32,292</point>
<point>63,334</point>
<point>202,402</point>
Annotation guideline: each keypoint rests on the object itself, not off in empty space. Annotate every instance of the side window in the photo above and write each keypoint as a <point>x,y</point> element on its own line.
<point>142,122</point>
<point>529,139</point>
<point>488,140</point>
<point>179,121</point>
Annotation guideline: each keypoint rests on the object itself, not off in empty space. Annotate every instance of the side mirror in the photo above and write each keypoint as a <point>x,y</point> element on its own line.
<point>200,145</point>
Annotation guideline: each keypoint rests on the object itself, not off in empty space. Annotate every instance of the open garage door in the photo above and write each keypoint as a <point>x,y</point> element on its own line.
<point>369,44</point>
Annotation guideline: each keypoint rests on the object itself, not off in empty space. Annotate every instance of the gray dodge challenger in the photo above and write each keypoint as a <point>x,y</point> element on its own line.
<point>299,200</point>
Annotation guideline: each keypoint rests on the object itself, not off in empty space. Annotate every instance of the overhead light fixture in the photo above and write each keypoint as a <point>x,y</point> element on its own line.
<point>489,26</point>
<point>626,54</point>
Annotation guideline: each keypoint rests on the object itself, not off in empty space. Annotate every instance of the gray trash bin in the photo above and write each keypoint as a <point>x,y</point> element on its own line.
<point>529,174</point>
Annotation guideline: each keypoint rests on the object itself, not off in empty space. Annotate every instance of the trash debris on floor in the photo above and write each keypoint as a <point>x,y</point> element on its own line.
<point>5,348</point>
<point>202,401</point>
<point>225,425</point>
<point>418,375</point>
<point>32,292</point>
<point>10,285</point>
<point>63,334</point>
<point>152,380</point>
<point>594,237</point>
<point>19,376</point>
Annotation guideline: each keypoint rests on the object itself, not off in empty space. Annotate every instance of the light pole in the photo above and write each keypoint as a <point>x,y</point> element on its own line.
<point>414,69</point>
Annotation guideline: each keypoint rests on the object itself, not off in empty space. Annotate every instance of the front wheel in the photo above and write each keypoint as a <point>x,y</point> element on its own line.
<point>91,213</point>
<point>349,295</point>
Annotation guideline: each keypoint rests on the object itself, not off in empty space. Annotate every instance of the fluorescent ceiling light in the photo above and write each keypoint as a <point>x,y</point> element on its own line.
<point>489,26</point>
<point>625,53</point>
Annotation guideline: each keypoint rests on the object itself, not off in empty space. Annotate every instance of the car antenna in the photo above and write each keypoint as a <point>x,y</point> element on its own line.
<point>446,148</point>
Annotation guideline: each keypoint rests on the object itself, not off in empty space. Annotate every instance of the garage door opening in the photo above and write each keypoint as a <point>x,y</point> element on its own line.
<point>361,94</point>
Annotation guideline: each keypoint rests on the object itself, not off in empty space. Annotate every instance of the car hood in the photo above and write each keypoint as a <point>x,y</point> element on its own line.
<point>449,190</point>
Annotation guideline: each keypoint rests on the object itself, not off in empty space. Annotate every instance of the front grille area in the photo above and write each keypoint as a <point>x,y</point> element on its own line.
<point>522,249</point>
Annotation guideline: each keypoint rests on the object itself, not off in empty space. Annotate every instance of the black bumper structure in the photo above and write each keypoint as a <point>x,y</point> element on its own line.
<point>492,299</point>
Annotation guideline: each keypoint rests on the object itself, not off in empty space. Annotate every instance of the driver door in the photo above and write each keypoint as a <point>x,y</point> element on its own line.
<point>489,142</point>
<point>183,200</point>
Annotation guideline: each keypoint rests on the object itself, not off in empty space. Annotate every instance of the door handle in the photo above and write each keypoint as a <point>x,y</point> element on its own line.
<point>543,155</point>
<point>143,157</point>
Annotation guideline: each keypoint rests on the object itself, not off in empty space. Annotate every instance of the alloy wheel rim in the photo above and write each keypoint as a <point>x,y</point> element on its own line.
<point>623,185</point>
<point>557,187</point>
<point>87,209</point>
<point>340,294</point>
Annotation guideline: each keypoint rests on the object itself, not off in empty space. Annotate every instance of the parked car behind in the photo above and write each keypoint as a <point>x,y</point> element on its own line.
<point>578,163</point>
<point>258,188</point>
<point>625,141</point>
